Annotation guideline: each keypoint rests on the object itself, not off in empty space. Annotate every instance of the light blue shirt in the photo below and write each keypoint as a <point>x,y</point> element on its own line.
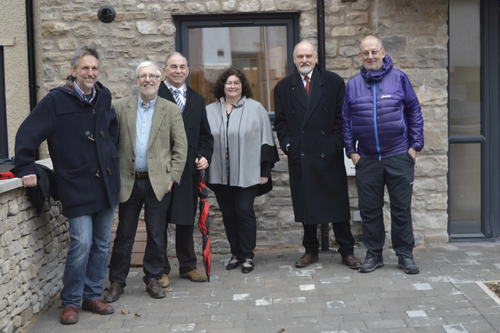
<point>142,130</point>
<point>82,94</point>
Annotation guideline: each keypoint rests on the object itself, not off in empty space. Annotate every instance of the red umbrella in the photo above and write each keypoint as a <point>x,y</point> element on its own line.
<point>204,224</point>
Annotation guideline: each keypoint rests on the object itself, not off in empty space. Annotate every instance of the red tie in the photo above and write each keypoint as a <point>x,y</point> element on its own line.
<point>307,84</point>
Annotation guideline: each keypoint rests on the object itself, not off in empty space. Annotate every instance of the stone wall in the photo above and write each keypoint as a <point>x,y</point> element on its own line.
<point>414,33</point>
<point>32,256</point>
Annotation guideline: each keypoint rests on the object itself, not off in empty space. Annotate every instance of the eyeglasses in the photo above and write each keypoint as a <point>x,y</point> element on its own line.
<point>366,54</point>
<point>148,76</point>
<point>235,83</point>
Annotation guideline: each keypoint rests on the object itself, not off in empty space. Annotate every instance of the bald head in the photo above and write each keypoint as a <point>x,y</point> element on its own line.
<point>372,53</point>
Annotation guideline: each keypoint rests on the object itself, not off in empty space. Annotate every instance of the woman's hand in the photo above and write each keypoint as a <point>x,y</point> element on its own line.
<point>263,180</point>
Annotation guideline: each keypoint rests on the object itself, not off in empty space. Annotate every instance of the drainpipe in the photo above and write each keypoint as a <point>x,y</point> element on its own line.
<point>325,241</point>
<point>30,32</point>
<point>321,33</point>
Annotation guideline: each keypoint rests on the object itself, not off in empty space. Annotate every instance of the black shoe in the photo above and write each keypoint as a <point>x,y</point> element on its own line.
<point>408,265</point>
<point>249,266</point>
<point>233,263</point>
<point>371,263</point>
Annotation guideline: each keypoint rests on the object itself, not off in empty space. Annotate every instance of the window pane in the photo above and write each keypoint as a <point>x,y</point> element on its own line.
<point>465,188</point>
<point>465,68</point>
<point>259,52</point>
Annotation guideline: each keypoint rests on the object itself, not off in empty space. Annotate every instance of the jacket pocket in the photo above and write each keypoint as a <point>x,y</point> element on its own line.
<point>76,187</point>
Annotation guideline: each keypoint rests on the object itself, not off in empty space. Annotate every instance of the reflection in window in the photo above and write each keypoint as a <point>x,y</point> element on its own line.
<point>259,52</point>
<point>465,188</point>
<point>465,68</point>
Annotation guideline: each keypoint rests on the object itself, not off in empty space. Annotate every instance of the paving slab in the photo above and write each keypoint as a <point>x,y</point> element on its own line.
<point>323,298</point>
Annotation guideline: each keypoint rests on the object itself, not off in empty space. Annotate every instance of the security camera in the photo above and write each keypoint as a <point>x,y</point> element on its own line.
<point>106,14</point>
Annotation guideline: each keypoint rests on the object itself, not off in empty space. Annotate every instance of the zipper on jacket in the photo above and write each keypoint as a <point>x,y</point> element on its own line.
<point>375,120</point>
<point>404,122</point>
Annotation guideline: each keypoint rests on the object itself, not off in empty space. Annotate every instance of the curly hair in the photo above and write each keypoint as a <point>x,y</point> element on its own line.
<point>218,89</point>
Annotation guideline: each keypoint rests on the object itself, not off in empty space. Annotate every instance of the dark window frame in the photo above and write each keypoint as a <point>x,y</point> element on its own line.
<point>291,20</point>
<point>4,143</point>
<point>490,127</point>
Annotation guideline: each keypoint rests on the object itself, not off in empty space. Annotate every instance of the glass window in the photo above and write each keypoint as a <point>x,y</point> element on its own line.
<point>465,67</point>
<point>465,188</point>
<point>258,51</point>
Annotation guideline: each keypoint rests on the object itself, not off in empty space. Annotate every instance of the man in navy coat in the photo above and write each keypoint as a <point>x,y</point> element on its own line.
<point>80,128</point>
<point>182,209</point>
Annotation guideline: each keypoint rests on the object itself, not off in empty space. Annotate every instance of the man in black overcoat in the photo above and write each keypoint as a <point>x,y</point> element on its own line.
<point>183,205</point>
<point>308,121</point>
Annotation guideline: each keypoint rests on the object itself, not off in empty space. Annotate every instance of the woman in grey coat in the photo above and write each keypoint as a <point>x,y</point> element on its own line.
<point>244,154</point>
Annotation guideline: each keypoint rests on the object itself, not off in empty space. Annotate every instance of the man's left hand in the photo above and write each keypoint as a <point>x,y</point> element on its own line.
<point>201,163</point>
<point>170,186</point>
<point>263,180</point>
<point>413,153</point>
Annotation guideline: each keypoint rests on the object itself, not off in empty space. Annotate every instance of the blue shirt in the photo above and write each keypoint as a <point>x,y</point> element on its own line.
<point>82,94</point>
<point>142,130</point>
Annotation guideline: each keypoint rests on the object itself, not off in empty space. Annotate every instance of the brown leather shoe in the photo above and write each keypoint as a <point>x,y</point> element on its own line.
<point>351,261</point>
<point>113,293</point>
<point>306,260</point>
<point>155,290</point>
<point>69,315</point>
<point>98,306</point>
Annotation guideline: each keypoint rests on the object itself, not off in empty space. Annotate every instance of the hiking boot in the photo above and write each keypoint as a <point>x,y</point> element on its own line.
<point>408,265</point>
<point>372,262</point>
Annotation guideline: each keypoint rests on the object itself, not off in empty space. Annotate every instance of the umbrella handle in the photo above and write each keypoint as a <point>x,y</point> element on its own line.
<point>202,172</point>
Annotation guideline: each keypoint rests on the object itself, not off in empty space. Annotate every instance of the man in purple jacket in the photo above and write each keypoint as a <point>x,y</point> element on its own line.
<point>383,130</point>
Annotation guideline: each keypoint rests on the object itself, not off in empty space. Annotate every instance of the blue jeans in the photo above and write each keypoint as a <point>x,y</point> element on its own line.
<point>87,258</point>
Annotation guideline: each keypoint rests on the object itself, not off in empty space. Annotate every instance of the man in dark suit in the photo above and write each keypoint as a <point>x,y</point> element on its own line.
<point>182,209</point>
<point>152,147</point>
<point>308,120</point>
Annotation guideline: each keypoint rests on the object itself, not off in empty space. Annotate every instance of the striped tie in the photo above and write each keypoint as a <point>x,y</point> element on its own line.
<point>177,93</point>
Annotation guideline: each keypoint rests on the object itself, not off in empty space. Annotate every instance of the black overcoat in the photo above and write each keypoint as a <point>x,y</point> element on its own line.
<point>311,127</point>
<point>183,205</point>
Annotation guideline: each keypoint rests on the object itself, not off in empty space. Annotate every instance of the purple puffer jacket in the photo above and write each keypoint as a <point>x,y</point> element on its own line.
<point>381,113</point>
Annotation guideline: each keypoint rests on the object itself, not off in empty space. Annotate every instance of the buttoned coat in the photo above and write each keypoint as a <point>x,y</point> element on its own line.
<point>182,209</point>
<point>167,145</point>
<point>309,130</point>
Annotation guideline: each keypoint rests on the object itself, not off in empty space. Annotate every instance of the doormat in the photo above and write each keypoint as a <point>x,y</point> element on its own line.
<point>492,288</point>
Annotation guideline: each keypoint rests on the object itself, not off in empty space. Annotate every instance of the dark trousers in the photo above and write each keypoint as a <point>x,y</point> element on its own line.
<point>184,248</point>
<point>154,214</point>
<point>238,215</point>
<point>397,173</point>
<point>343,236</point>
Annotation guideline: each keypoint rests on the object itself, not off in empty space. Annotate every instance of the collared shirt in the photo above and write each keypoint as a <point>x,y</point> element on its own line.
<point>82,94</point>
<point>142,130</point>
<point>304,82</point>
<point>183,90</point>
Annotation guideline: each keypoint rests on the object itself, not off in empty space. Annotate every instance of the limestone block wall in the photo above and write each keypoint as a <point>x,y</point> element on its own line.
<point>414,33</point>
<point>32,256</point>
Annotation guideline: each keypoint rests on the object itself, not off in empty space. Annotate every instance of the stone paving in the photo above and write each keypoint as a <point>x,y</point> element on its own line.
<point>324,298</point>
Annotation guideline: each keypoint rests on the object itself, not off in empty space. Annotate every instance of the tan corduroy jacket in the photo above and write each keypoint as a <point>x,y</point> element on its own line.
<point>167,147</point>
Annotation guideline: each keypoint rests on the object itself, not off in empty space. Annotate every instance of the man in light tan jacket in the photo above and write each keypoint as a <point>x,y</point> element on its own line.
<point>152,147</point>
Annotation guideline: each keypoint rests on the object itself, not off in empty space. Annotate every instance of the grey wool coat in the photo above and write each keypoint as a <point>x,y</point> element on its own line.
<point>252,151</point>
